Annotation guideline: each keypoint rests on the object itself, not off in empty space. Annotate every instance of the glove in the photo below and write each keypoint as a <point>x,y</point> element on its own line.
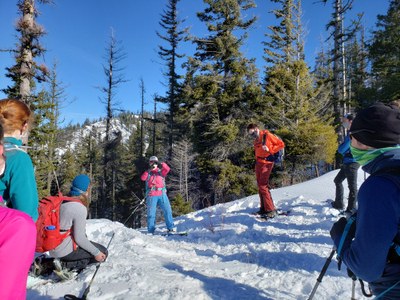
<point>337,231</point>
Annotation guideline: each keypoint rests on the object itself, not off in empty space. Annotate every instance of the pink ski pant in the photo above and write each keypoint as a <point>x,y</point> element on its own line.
<point>17,249</point>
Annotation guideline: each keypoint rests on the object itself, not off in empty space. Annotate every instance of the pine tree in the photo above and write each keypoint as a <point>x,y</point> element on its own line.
<point>296,108</point>
<point>357,71</point>
<point>44,134</point>
<point>180,206</point>
<point>132,166</point>
<point>26,70</point>
<point>88,154</point>
<point>279,47</point>
<point>68,168</point>
<point>385,54</point>
<point>220,88</point>
<point>173,36</point>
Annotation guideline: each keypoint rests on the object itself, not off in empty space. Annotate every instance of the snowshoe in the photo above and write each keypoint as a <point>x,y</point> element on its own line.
<point>41,266</point>
<point>273,214</point>
<point>63,273</point>
<point>173,232</point>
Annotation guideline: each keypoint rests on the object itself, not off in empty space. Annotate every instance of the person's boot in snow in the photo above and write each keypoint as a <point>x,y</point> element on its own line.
<point>42,266</point>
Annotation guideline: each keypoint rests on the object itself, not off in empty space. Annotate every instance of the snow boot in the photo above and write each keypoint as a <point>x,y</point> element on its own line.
<point>62,272</point>
<point>41,266</point>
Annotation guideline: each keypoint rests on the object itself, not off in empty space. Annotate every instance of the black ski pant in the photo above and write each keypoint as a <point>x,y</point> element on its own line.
<point>80,258</point>
<point>349,172</point>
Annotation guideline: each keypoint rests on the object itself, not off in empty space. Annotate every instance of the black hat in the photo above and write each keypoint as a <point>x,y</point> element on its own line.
<point>377,126</point>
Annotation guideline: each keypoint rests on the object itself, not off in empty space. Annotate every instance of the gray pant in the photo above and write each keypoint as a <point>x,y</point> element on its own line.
<point>348,171</point>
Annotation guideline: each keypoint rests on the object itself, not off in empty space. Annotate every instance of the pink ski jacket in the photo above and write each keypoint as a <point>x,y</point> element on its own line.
<point>155,180</point>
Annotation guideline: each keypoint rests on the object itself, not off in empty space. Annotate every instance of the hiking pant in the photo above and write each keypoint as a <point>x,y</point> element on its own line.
<point>17,250</point>
<point>348,171</point>
<point>152,203</point>
<point>80,258</point>
<point>263,171</point>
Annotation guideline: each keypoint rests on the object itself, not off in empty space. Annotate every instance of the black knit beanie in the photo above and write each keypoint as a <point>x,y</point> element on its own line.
<point>377,126</point>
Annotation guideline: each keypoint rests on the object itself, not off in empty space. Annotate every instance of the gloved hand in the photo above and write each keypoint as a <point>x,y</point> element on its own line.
<point>337,229</point>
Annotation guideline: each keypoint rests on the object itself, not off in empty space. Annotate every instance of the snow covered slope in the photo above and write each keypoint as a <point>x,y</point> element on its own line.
<point>228,254</point>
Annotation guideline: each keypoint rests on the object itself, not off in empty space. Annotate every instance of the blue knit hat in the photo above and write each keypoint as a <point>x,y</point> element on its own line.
<point>79,185</point>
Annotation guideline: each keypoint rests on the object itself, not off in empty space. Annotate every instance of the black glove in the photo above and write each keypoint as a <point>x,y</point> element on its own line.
<point>337,229</point>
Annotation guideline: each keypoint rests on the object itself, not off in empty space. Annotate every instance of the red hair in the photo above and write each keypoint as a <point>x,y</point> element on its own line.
<point>14,114</point>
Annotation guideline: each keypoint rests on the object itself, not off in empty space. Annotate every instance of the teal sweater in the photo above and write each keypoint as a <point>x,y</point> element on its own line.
<point>17,183</point>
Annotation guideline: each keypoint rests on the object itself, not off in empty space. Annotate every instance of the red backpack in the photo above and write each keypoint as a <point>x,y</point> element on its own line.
<point>48,223</point>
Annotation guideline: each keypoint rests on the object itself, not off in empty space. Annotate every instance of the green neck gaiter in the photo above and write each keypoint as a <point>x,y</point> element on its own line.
<point>364,157</point>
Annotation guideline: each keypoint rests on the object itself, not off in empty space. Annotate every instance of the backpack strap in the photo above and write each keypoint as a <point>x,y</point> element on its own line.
<point>264,139</point>
<point>153,188</point>
<point>10,147</point>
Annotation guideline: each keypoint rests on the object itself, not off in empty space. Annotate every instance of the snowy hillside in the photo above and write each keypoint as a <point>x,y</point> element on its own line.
<point>98,130</point>
<point>228,254</point>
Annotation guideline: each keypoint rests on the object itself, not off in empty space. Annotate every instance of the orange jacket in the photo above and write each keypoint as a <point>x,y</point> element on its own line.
<point>273,143</point>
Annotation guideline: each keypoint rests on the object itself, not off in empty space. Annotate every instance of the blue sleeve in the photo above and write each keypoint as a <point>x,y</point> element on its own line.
<point>377,224</point>
<point>345,146</point>
<point>22,184</point>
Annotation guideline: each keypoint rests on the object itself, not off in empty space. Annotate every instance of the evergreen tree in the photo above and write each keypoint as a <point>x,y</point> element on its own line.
<point>173,36</point>
<point>68,168</point>
<point>279,47</point>
<point>180,206</point>
<point>26,68</point>
<point>296,107</point>
<point>220,87</point>
<point>357,71</point>
<point>132,166</point>
<point>385,54</point>
<point>88,154</point>
<point>44,133</point>
<point>323,70</point>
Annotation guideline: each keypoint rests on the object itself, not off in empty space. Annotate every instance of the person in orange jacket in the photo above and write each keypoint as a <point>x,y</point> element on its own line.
<point>266,145</point>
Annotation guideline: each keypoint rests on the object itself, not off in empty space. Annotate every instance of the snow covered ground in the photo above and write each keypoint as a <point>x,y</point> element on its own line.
<point>228,254</point>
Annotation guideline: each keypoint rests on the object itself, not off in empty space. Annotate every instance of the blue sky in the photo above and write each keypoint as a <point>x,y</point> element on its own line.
<point>78,32</point>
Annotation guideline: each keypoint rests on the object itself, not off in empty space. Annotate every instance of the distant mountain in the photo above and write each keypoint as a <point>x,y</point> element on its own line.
<point>71,136</point>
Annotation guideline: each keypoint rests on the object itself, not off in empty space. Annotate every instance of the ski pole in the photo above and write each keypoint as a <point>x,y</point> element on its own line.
<point>135,209</point>
<point>353,289</point>
<point>321,275</point>
<point>86,292</point>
